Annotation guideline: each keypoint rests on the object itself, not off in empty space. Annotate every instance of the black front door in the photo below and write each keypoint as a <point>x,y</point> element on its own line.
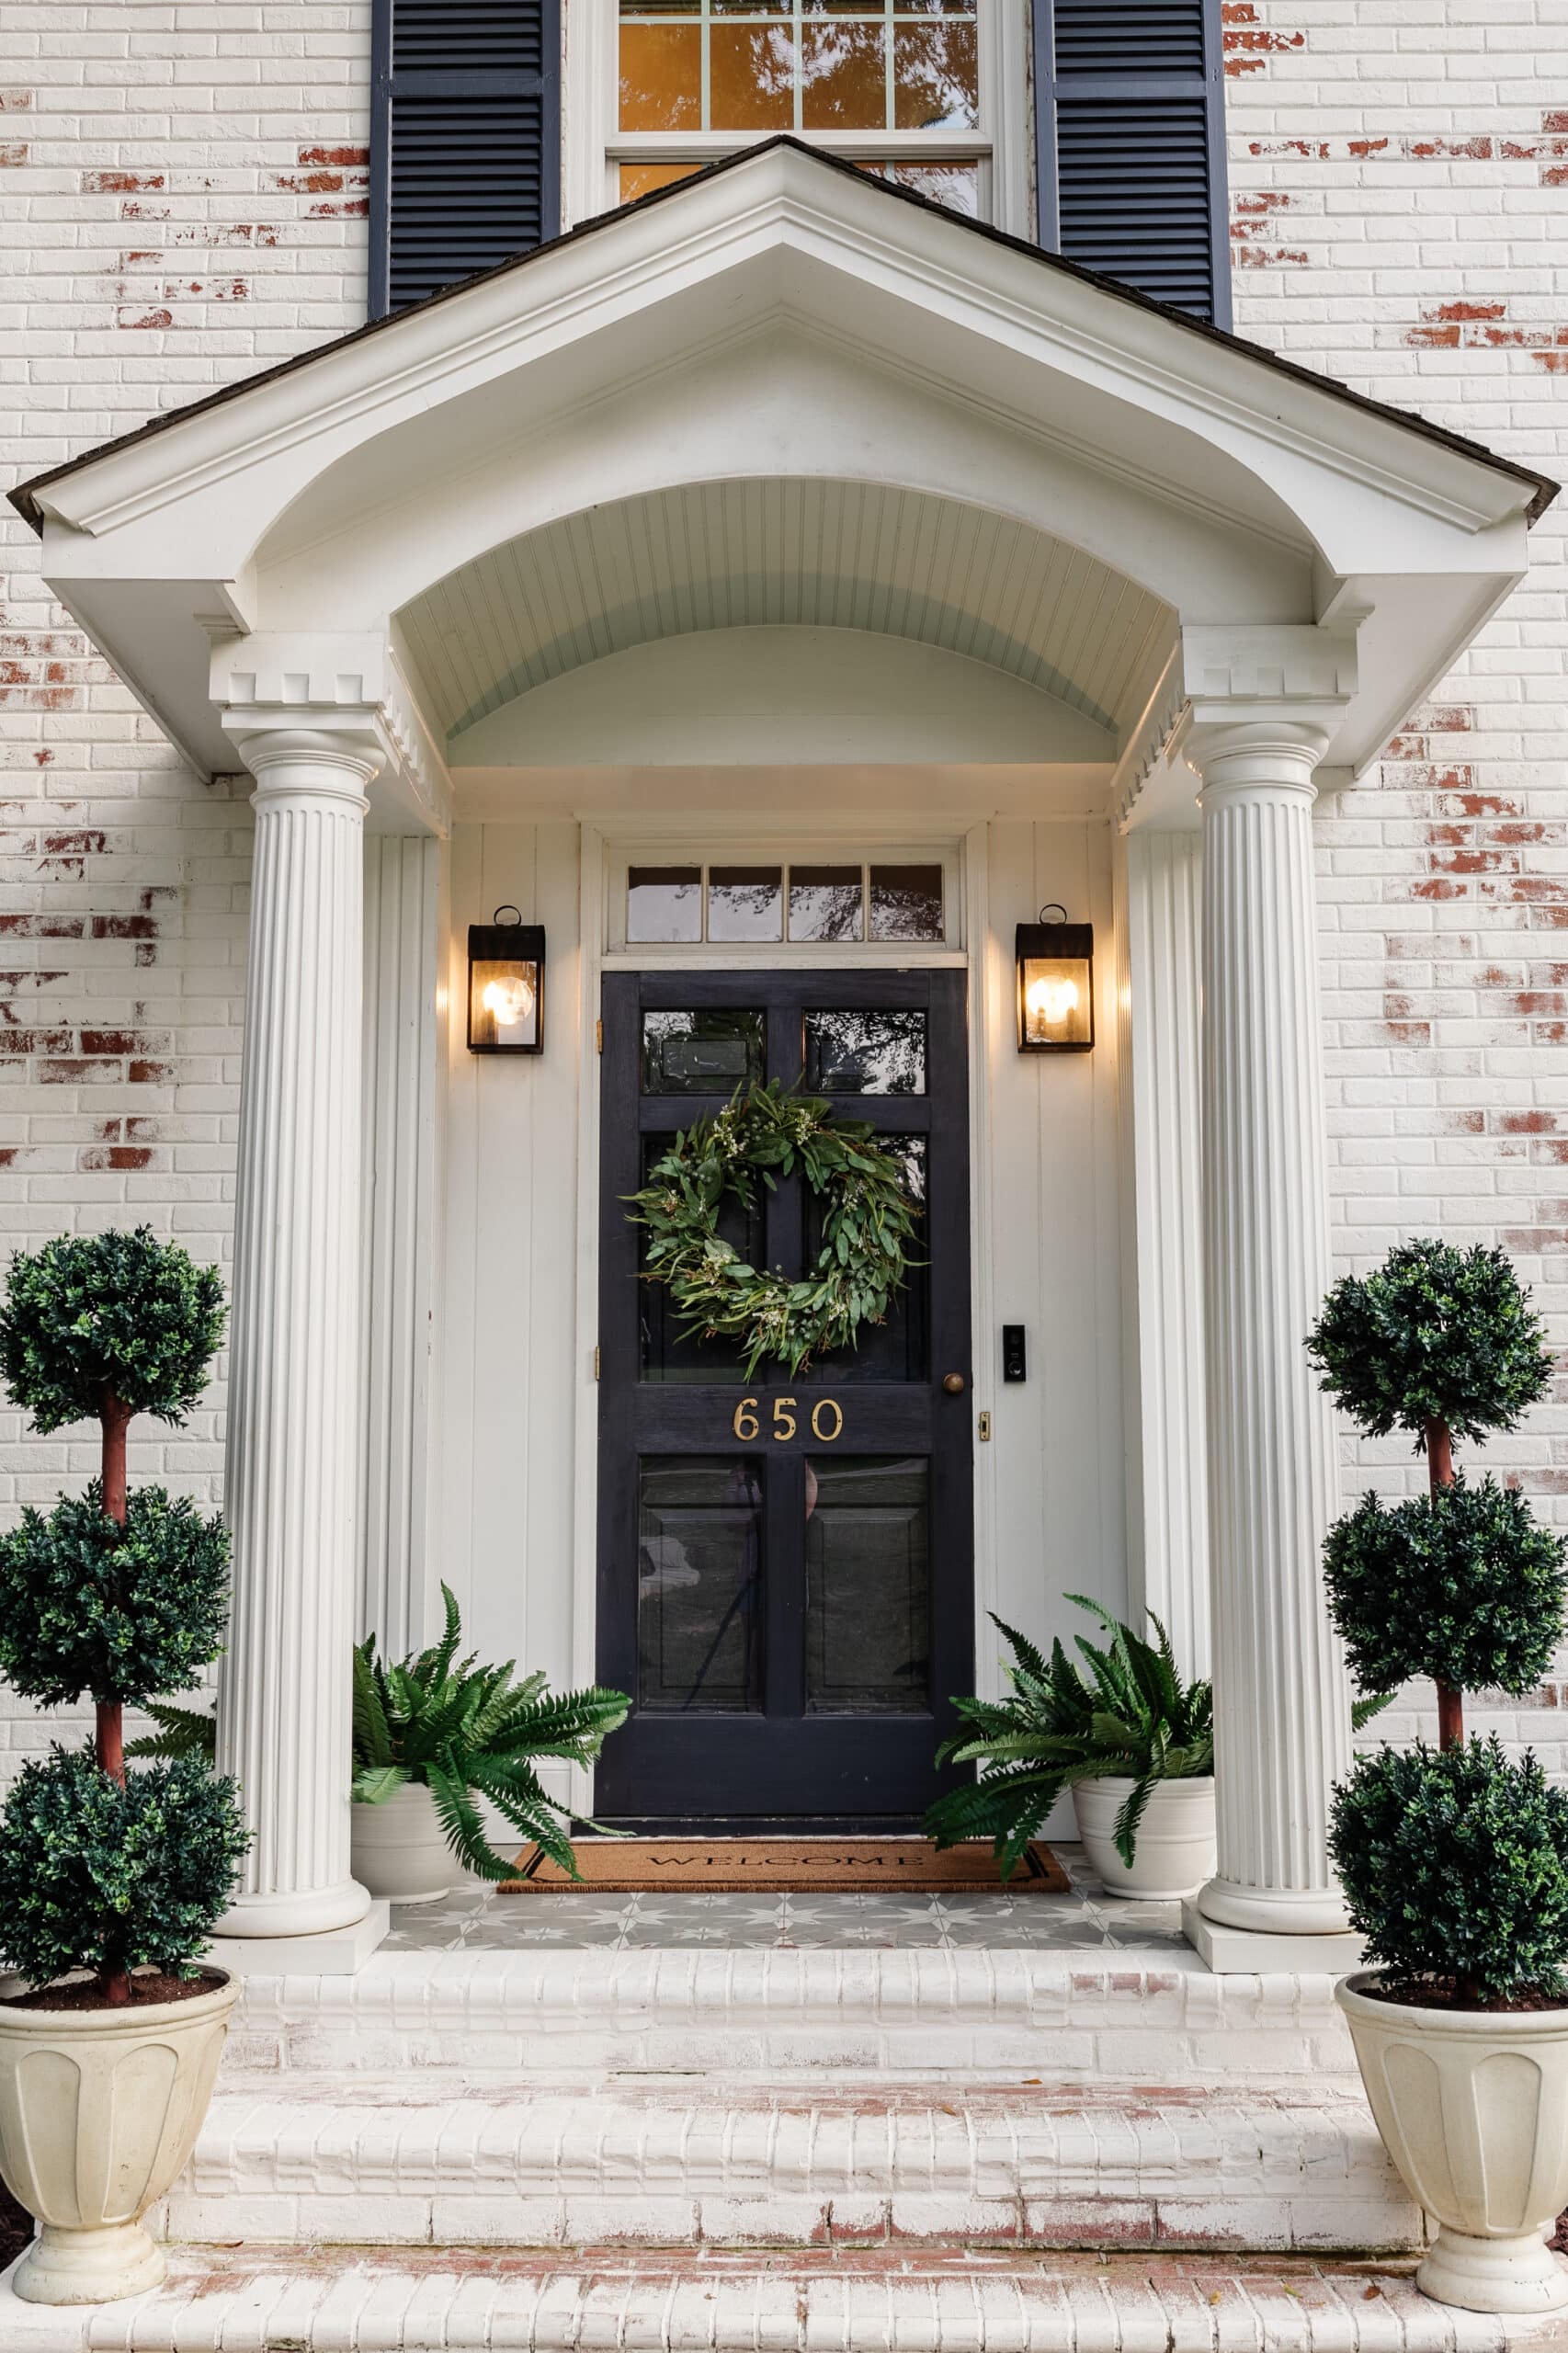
<point>785,1566</point>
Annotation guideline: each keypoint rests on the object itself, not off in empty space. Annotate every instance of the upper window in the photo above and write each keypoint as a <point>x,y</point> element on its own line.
<point>900,88</point>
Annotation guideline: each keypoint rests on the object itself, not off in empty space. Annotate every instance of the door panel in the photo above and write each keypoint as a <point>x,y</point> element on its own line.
<point>785,1566</point>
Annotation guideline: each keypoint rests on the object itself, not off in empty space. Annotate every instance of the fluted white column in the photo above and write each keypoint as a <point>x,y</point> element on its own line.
<point>400,1302</point>
<point>1280,1691</point>
<point>1161,992</point>
<point>291,1464</point>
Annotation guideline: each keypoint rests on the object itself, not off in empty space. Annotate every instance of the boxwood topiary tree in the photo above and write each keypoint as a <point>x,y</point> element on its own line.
<point>1442,1343</point>
<point>121,1595</point>
<point>1454,1862</point>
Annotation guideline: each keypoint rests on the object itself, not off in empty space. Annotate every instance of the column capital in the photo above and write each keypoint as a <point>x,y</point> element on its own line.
<point>332,760</point>
<point>299,705</point>
<point>1273,756</point>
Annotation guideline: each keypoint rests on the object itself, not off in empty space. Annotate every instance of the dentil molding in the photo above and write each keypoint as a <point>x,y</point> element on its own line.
<point>1240,665</point>
<point>348,687</point>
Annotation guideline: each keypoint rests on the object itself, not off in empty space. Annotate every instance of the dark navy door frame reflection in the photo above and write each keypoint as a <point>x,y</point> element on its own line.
<point>793,1669</point>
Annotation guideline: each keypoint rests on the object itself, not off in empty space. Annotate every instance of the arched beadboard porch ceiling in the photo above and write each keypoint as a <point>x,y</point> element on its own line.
<point>749,554</point>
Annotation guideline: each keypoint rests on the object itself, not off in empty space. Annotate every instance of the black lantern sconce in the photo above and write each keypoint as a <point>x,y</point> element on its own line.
<point>506,985</point>
<point>1056,985</point>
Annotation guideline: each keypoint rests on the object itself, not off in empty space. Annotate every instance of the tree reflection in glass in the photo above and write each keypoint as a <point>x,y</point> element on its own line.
<point>865,1053</point>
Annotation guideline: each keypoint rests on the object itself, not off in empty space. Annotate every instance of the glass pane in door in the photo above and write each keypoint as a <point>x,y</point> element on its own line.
<point>699,1581</point>
<point>709,1052</point>
<point>868,1584</point>
<point>865,1053</point>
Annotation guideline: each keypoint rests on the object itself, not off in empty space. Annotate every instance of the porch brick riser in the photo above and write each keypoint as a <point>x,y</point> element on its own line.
<point>1259,2224</point>
<point>726,2165</point>
<point>910,2016</point>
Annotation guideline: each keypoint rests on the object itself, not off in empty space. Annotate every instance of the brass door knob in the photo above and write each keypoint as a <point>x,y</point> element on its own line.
<point>954,1384</point>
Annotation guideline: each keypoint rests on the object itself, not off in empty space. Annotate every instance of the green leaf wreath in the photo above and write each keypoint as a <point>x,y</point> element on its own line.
<point>868,1227</point>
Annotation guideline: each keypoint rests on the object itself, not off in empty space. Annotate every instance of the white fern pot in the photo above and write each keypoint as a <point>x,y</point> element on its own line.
<point>1472,2105</point>
<point>1174,1852</point>
<point>99,2110</point>
<point>399,1849</point>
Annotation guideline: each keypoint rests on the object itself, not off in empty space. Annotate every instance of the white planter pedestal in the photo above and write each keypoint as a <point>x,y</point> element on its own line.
<point>399,1850</point>
<point>1472,2105</point>
<point>99,2110</point>
<point>1174,1851</point>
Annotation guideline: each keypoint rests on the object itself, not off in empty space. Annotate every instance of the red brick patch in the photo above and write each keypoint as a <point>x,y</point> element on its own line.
<point>1249,45</point>
<point>119,183</point>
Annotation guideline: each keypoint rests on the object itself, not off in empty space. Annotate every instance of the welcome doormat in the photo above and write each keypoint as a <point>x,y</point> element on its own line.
<point>785,1866</point>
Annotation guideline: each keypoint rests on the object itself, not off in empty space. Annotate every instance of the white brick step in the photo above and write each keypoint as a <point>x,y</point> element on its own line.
<point>1280,2166</point>
<point>1138,2017</point>
<point>236,2300</point>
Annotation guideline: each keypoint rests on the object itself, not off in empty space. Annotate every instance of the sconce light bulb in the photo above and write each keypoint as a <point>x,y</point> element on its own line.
<point>1050,1001</point>
<point>509,1001</point>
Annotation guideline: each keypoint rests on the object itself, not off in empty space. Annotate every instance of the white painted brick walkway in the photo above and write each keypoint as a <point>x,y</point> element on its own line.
<point>240,2301</point>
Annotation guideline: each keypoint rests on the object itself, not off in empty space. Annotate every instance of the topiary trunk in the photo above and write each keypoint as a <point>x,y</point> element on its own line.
<point>110,1730</point>
<point>1441,1473</point>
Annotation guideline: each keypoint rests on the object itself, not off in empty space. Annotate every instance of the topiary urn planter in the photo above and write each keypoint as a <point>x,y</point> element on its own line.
<point>1472,2105</point>
<point>99,2110</point>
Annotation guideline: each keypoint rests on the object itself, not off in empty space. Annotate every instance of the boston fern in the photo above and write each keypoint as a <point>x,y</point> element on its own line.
<point>460,1728</point>
<point>1134,1718</point>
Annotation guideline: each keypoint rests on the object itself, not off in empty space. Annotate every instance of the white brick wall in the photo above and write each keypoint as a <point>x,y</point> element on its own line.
<point>1399,187</point>
<point>186,184</point>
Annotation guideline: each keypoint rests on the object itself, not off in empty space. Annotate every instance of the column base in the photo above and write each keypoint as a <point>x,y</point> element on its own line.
<point>295,1911</point>
<point>330,1952</point>
<point>1275,1911</point>
<point>1256,1952</point>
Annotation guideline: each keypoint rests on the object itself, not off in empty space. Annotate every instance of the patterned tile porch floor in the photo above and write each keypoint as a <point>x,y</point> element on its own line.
<point>473,1919</point>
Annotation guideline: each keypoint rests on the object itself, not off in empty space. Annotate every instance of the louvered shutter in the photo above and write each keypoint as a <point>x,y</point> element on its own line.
<point>465,140</point>
<point>1130,97</point>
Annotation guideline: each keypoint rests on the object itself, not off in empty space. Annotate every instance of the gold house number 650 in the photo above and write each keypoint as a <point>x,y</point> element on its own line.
<point>827,1420</point>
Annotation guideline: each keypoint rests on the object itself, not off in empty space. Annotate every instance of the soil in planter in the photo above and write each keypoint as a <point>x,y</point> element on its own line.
<point>1442,1994</point>
<point>16,2228</point>
<point>147,1986</point>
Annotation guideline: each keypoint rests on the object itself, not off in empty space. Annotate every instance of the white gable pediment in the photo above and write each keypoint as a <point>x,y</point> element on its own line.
<point>788,317</point>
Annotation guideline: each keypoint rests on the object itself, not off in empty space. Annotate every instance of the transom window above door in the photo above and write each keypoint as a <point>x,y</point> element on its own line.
<point>823,900</point>
<point>904,88</point>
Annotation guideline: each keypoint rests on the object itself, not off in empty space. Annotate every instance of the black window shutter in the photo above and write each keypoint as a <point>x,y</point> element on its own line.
<point>1130,145</point>
<point>465,140</point>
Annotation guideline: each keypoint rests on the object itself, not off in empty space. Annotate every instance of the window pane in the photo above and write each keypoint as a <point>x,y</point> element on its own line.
<point>956,185</point>
<point>906,902</point>
<point>845,77</point>
<point>637,179</point>
<point>824,903</point>
<point>868,1584</point>
<point>699,1582</point>
<point>707,1052</point>
<point>661,76</point>
<point>663,903</point>
<point>751,77</point>
<point>935,77</point>
<point>866,1054</point>
<point>745,902</point>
